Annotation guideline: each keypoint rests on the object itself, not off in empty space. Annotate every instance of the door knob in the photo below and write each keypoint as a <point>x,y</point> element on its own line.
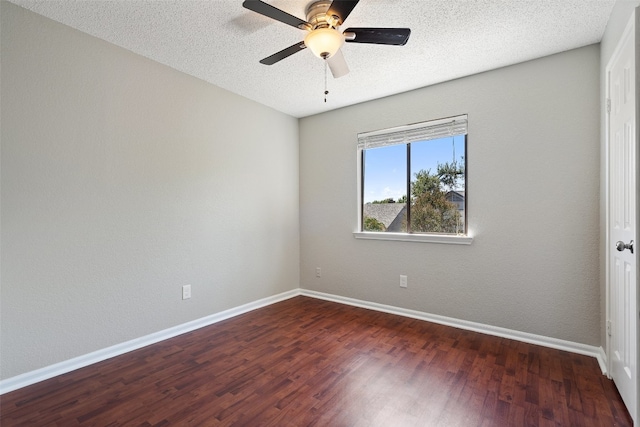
<point>621,246</point>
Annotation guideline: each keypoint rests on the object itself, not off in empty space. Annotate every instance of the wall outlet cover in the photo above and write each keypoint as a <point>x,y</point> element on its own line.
<point>186,291</point>
<point>403,281</point>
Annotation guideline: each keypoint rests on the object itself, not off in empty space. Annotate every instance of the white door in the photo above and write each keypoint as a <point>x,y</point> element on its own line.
<point>623,310</point>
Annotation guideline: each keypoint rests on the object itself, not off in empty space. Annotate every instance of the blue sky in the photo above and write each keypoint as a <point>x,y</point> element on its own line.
<point>386,167</point>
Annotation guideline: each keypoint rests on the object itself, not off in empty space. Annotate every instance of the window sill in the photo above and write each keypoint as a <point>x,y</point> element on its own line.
<point>423,238</point>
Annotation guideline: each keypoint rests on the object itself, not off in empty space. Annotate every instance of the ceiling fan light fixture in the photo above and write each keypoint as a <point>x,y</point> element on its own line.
<point>324,42</point>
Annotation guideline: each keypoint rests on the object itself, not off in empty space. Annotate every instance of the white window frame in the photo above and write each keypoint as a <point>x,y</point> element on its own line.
<point>433,129</point>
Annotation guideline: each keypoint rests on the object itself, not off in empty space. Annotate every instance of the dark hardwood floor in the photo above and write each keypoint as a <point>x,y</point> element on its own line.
<point>308,362</point>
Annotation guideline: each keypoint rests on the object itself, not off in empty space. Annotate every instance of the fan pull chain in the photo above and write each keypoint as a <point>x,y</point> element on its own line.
<point>326,92</point>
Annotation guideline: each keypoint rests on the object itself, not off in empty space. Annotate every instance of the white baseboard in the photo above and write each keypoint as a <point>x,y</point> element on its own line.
<point>51,371</point>
<point>54,370</point>
<point>573,347</point>
<point>603,362</point>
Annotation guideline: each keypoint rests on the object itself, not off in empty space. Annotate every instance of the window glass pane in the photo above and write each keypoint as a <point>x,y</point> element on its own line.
<point>438,186</point>
<point>385,189</point>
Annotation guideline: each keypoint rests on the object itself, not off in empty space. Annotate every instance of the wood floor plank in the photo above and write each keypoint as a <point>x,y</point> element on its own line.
<point>307,362</point>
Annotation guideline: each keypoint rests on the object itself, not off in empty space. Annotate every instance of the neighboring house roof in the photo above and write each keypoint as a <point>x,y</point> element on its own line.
<point>452,194</point>
<point>387,213</point>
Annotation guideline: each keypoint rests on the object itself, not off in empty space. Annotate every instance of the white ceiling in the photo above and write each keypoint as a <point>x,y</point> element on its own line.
<point>221,42</point>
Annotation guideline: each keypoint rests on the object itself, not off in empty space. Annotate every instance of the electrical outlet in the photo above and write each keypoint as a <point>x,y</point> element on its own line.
<point>403,281</point>
<point>186,292</point>
<point>318,272</point>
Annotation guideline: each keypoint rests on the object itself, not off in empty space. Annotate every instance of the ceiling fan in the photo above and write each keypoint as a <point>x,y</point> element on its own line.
<point>324,18</point>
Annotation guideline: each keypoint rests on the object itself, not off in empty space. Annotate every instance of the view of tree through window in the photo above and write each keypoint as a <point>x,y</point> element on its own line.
<point>417,187</point>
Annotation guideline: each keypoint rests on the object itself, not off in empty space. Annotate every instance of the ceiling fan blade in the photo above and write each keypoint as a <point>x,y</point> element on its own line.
<point>390,36</point>
<point>274,13</point>
<point>284,53</point>
<point>338,65</point>
<point>341,9</point>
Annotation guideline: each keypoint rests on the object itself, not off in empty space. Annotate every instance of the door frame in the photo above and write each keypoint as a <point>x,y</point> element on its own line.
<point>632,26</point>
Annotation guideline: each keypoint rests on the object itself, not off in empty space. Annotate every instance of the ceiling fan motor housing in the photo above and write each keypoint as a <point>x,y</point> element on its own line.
<point>316,13</point>
<point>324,39</point>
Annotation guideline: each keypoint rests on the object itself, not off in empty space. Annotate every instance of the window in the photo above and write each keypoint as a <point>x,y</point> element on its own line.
<point>412,182</point>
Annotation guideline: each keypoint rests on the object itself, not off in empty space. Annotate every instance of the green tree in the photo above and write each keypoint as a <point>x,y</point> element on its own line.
<point>431,212</point>
<point>403,199</point>
<point>372,224</point>
<point>425,183</point>
<point>451,174</point>
<point>389,200</point>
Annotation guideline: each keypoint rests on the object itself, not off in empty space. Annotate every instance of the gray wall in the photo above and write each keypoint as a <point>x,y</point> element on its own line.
<point>122,180</point>
<point>533,194</point>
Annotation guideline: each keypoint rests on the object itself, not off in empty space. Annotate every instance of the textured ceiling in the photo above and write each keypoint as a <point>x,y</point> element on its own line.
<point>221,42</point>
